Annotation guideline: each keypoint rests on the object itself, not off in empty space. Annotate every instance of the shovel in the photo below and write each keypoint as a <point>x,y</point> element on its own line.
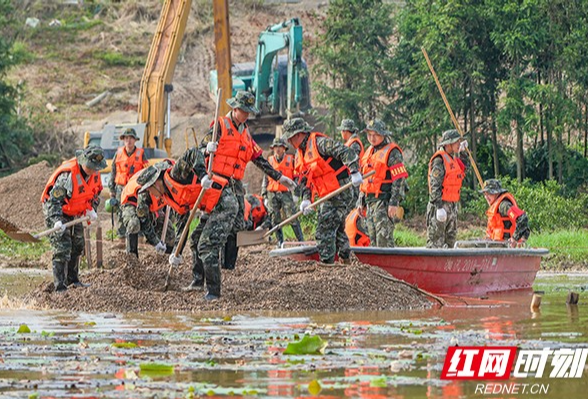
<point>251,238</point>
<point>14,232</point>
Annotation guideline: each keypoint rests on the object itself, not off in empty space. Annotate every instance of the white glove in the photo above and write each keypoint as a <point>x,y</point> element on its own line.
<point>175,261</point>
<point>441,215</point>
<point>160,248</point>
<point>259,228</point>
<point>463,145</point>
<point>211,147</point>
<point>206,182</point>
<point>295,198</point>
<point>304,207</point>
<point>59,225</point>
<point>356,179</point>
<point>289,183</point>
<point>266,203</point>
<point>92,214</point>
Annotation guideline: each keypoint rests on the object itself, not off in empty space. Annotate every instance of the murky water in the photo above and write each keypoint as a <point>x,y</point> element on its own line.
<point>369,354</point>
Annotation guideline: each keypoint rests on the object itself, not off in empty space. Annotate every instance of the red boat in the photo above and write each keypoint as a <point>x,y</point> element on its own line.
<point>458,271</point>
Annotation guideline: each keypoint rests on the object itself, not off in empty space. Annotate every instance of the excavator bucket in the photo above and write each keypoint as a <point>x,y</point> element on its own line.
<point>14,232</point>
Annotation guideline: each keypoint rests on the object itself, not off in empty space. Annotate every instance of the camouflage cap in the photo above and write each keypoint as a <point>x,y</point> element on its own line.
<point>348,125</point>
<point>293,126</point>
<point>150,174</point>
<point>279,142</point>
<point>449,137</point>
<point>129,132</point>
<point>91,157</point>
<point>245,101</point>
<point>378,126</point>
<point>493,186</point>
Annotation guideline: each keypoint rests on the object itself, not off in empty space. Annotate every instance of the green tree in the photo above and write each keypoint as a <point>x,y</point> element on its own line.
<point>15,136</point>
<point>352,59</point>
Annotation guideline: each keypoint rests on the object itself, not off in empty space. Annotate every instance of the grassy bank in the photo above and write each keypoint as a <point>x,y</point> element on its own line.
<point>569,249</point>
<point>23,251</point>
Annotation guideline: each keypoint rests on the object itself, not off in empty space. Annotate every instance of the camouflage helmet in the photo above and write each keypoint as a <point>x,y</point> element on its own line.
<point>245,101</point>
<point>493,186</point>
<point>279,142</point>
<point>347,125</point>
<point>449,137</point>
<point>91,157</point>
<point>129,132</point>
<point>293,126</point>
<point>150,174</point>
<point>378,126</point>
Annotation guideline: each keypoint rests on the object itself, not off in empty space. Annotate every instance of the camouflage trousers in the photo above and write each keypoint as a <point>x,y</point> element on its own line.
<point>380,226</point>
<point>283,202</point>
<point>330,229</point>
<point>69,244</point>
<point>135,225</point>
<point>441,235</point>
<point>121,230</point>
<point>212,234</point>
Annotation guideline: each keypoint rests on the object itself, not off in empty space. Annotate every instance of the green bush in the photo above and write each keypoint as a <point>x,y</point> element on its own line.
<point>547,208</point>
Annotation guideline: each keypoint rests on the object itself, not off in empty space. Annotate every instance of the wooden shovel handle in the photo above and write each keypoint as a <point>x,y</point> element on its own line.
<point>67,225</point>
<point>316,203</point>
<point>209,170</point>
<point>165,224</point>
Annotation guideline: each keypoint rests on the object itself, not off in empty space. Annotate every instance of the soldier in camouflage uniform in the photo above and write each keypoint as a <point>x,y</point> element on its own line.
<point>351,139</point>
<point>127,161</point>
<point>324,166</point>
<point>446,174</point>
<point>233,151</point>
<point>143,210</point>
<point>506,221</point>
<point>382,192</point>
<point>71,192</point>
<point>277,198</point>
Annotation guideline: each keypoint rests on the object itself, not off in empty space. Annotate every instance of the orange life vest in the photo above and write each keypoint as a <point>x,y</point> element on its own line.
<point>83,192</point>
<point>454,176</point>
<point>247,210</point>
<point>496,229</point>
<point>127,166</point>
<point>234,150</point>
<point>321,177</point>
<point>355,139</point>
<point>378,161</point>
<point>356,237</point>
<point>286,167</point>
<point>257,213</point>
<point>184,196</point>
<point>130,195</point>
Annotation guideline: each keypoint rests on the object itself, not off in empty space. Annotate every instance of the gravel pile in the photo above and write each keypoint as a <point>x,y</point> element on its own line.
<point>258,283</point>
<point>20,196</point>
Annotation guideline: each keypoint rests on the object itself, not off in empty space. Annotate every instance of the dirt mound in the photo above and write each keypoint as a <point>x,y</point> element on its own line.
<point>258,283</point>
<point>20,195</point>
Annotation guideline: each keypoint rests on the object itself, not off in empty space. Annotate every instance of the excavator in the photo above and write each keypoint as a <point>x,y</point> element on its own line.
<point>153,117</point>
<point>279,81</point>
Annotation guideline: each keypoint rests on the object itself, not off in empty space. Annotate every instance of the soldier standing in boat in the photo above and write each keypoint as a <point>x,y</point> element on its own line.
<point>447,170</point>
<point>506,221</point>
<point>349,134</point>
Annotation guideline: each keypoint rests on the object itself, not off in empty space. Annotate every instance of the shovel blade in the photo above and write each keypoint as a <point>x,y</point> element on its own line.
<point>22,237</point>
<point>14,232</point>
<point>251,238</point>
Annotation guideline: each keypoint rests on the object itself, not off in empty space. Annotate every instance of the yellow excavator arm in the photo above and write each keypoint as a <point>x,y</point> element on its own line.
<point>159,71</point>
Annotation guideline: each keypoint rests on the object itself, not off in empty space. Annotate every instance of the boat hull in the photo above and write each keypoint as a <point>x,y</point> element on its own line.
<point>447,271</point>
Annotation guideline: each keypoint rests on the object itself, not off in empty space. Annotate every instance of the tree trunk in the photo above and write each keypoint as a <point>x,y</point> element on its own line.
<point>549,143</point>
<point>520,154</point>
<point>585,130</point>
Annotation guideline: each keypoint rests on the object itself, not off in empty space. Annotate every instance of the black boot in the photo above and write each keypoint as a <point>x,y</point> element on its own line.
<point>72,273</point>
<point>197,283</point>
<point>59,276</point>
<point>298,232</point>
<point>133,244</point>
<point>280,237</point>
<point>231,252</point>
